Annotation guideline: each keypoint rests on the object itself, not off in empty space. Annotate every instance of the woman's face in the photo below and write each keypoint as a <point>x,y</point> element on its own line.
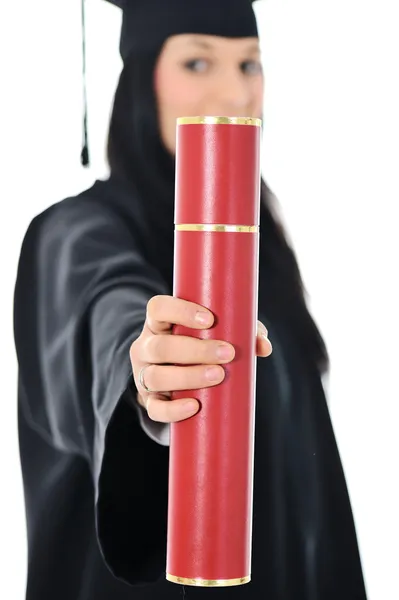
<point>199,75</point>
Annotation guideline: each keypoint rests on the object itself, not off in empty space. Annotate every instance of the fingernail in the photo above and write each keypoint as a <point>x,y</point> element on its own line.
<point>269,344</point>
<point>262,330</point>
<point>190,407</point>
<point>213,374</point>
<point>224,352</point>
<point>203,318</point>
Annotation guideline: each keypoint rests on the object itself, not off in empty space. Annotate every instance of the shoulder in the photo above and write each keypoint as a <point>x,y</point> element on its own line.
<point>79,243</point>
<point>87,207</point>
<point>91,215</point>
<point>81,238</point>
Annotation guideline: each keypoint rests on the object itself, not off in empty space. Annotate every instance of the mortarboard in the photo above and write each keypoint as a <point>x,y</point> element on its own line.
<point>146,22</point>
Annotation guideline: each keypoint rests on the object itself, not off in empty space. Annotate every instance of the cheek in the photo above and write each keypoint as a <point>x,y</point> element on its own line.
<point>177,93</point>
<point>258,96</point>
<point>177,96</point>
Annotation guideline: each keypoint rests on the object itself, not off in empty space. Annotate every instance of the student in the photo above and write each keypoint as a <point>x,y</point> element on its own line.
<point>94,306</point>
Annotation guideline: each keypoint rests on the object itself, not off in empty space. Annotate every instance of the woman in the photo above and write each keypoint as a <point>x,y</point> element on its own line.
<point>93,306</point>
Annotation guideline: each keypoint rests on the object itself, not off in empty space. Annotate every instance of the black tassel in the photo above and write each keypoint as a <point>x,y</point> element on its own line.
<point>84,156</point>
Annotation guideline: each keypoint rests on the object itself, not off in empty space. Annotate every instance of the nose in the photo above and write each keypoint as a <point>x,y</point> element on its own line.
<point>233,94</point>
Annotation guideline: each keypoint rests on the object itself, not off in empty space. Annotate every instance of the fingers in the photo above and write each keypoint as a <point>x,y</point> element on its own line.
<point>160,408</point>
<point>165,311</point>
<point>164,379</point>
<point>170,411</point>
<point>263,345</point>
<point>160,354</point>
<point>159,349</point>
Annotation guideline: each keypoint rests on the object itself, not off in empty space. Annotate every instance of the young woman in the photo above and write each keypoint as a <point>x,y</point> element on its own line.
<point>93,316</point>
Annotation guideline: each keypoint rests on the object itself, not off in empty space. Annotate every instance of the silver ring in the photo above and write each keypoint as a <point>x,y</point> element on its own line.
<point>142,382</point>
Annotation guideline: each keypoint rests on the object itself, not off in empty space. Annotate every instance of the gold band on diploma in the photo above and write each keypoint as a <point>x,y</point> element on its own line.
<point>217,227</point>
<point>220,121</point>
<point>208,582</point>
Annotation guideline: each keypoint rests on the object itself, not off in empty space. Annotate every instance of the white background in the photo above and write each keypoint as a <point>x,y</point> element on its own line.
<point>331,155</point>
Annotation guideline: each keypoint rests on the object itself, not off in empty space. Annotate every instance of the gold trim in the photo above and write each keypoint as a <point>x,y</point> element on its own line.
<point>208,582</point>
<point>219,121</point>
<point>217,227</point>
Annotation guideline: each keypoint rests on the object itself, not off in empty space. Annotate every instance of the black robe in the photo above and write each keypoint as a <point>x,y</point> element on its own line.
<point>96,483</point>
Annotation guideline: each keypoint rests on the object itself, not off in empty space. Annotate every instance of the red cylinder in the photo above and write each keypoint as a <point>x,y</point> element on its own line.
<point>216,265</point>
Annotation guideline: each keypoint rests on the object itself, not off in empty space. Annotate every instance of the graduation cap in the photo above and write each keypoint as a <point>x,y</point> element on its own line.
<point>147,23</point>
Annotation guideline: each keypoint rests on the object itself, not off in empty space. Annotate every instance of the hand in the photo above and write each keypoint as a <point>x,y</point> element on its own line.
<point>156,346</point>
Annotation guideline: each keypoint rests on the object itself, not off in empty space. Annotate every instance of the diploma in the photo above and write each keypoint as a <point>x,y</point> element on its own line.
<point>216,264</point>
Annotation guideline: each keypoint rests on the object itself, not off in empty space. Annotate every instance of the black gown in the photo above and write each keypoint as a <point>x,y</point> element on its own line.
<point>96,484</point>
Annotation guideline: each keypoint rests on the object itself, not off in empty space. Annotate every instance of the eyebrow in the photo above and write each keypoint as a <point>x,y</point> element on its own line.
<point>253,49</point>
<point>201,43</point>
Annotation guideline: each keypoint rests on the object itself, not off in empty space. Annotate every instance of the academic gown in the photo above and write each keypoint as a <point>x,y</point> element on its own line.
<point>95,468</point>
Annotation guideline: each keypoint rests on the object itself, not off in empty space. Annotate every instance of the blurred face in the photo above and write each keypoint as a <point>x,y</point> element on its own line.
<point>199,75</point>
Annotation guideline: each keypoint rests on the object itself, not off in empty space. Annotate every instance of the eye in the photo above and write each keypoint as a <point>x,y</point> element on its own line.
<point>251,67</point>
<point>197,65</point>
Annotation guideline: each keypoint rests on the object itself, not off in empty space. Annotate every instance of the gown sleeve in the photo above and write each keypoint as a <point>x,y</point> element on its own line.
<point>80,301</point>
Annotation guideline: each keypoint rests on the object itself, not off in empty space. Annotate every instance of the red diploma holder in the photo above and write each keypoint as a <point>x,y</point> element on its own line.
<point>216,265</point>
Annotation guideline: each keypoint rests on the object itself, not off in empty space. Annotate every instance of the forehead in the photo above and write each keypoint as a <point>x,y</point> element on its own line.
<point>213,43</point>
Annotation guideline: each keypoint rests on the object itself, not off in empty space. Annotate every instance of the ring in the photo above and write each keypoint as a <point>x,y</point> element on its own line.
<point>142,382</point>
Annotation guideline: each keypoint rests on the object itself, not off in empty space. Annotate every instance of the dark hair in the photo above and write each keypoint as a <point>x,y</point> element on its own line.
<point>137,155</point>
<point>135,149</point>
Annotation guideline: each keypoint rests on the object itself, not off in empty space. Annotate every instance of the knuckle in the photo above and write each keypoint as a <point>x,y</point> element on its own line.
<point>149,377</point>
<point>212,347</point>
<point>184,310</point>
<point>154,348</point>
<point>198,377</point>
<point>133,351</point>
<point>153,305</point>
<point>190,310</point>
<point>156,409</point>
<point>204,351</point>
<point>151,409</point>
<point>209,350</point>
